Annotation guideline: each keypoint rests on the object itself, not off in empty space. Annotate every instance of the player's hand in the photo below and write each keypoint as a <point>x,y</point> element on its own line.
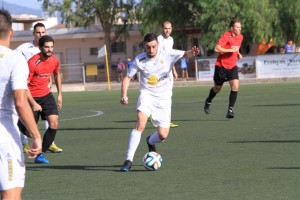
<point>195,51</point>
<point>50,85</point>
<point>59,101</point>
<point>37,107</point>
<point>239,56</point>
<point>36,148</point>
<point>124,100</point>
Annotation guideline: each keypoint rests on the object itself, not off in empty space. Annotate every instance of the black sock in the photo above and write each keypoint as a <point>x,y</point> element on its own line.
<point>48,139</point>
<point>232,98</point>
<point>211,95</point>
<point>22,128</point>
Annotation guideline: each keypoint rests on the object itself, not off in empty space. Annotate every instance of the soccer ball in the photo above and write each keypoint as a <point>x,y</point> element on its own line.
<point>152,161</point>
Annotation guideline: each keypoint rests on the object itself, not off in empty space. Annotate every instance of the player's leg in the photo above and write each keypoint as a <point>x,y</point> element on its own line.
<point>218,83</point>
<point>12,168</point>
<point>232,97</point>
<point>22,128</point>
<point>48,138</point>
<point>50,110</point>
<point>234,85</point>
<point>14,193</point>
<point>50,132</point>
<point>143,112</point>
<point>24,138</point>
<point>53,148</point>
<point>186,74</point>
<point>161,117</point>
<point>134,140</point>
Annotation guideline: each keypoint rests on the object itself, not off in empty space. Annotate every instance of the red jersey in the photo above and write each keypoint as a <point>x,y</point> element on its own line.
<point>39,73</point>
<point>228,60</point>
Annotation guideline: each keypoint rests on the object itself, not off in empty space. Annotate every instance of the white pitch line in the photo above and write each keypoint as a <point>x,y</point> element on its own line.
<point>98,113</point>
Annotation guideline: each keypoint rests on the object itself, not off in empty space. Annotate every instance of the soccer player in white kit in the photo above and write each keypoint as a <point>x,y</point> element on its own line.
<point>29,49</point>
<point>13,96</point>
<point>166,41</point>
<point>154,65</point>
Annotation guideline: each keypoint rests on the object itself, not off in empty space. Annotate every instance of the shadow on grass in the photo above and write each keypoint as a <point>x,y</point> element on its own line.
<point>283,168</point>
<point>178,120</point>
<point>112,168</point>
<point>128,121</point>
<point>92,129</point>
<point>265,141</point>
<point>277,105</point>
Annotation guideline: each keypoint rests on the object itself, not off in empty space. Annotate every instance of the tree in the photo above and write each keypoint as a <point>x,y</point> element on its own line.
<point>289,15</point>
<point>154,12</point>
<point>261,19</point>
<point>85,12</point>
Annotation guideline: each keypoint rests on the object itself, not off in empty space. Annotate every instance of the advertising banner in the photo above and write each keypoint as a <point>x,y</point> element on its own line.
<point>278,66</point>
<point>206,67</point>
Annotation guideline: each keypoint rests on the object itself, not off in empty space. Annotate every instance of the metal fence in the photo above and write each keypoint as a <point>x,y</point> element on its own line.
<point>79,73</point>
<point>73,73</point>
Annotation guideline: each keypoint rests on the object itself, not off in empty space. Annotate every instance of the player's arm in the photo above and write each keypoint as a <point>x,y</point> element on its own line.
<point>220,49</point>
<point>57,79</point>
<point>124,89</point>
<point>193,52</point>
<point>50,83</point>
<point>25,114</point>
<point>35,106</point>
<point>175,74</point>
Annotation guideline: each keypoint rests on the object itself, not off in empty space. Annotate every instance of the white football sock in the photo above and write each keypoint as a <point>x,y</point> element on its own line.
<point>133,143</point>
<point>154,138</point>
<point>24,138</point>
<point>46,124</point>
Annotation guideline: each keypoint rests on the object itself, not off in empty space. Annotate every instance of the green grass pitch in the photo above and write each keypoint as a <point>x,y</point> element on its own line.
<point>208,157</point>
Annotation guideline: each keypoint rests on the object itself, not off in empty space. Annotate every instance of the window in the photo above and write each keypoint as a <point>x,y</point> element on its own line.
<point>94,51</point>
<point>118,47</point>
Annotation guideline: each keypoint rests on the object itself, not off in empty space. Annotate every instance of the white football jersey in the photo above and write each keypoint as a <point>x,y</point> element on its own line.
<point>28,50</point>
<point>155,77</point>
<point>166,43</point>
<point>13,76</point>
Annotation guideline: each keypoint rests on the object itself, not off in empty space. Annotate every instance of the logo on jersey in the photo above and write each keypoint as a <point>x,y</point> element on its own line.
<point>2,55</point>
<point>153,80</point>
<point>38,62</point>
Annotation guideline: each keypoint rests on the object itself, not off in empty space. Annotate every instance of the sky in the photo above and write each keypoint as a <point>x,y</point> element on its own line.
<point>26,3</point>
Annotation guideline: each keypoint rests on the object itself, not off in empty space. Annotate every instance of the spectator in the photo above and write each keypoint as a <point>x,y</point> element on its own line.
<point>184,68</point>
<point>120,70</point>
<point>129,65</point>
<point>289,47</point>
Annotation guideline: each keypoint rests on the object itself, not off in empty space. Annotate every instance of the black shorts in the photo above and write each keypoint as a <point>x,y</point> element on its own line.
<point>49,107</point>
<point>48,104</point>
<point>222,75</point>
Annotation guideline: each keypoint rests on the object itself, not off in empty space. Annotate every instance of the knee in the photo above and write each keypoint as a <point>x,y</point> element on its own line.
<point>53,125</point>
<point>235,88</point>
<point>140,127</point>
<point>163,135</point>
<point>217,89</point>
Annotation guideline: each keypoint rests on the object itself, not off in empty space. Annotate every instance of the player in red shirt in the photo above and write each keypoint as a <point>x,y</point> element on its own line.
<point>226,68</point>
<point>41,67</point>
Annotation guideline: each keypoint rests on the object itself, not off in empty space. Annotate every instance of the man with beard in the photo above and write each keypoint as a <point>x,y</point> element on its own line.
<point>155,96</point>
<point>41,67</point>
<point>13,90</point>
<point>29,49</point>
